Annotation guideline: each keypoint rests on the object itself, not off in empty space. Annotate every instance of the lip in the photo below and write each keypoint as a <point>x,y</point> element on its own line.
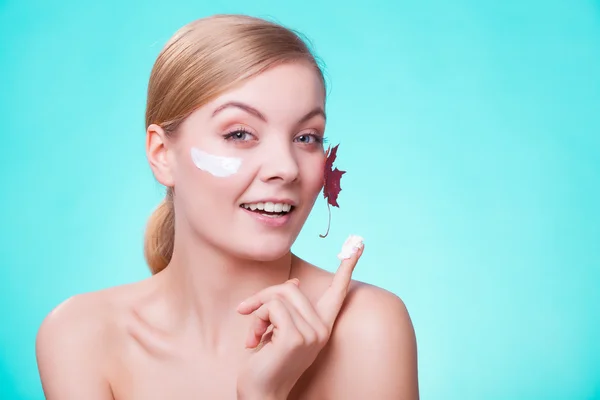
<point>272,200</point>
<point>269,221</point>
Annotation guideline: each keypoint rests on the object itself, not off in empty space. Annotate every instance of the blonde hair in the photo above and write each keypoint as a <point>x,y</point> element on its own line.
<point>202,60</point>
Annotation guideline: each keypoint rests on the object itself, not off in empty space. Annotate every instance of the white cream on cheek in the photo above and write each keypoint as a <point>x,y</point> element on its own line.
<point>218,166</point>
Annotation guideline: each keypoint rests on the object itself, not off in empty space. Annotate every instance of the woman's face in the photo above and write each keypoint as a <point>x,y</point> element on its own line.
<point>241,161</point>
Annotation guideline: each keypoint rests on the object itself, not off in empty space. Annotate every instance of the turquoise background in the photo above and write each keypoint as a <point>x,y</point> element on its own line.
<point>469,130</point>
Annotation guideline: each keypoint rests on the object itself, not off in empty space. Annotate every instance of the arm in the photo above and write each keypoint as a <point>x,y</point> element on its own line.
<point>68,350</point>
<point>375,352</point>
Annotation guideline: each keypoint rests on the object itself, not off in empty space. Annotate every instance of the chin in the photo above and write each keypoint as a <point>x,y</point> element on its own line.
<point>266,250</point>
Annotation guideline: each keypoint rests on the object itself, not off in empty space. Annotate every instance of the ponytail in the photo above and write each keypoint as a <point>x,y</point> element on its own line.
<point>160,235</point>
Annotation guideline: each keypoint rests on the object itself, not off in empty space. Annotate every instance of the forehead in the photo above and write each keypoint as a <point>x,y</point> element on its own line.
<point>287,90</point>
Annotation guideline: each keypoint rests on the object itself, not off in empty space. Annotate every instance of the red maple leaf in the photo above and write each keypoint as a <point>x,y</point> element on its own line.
<point>331,185</point>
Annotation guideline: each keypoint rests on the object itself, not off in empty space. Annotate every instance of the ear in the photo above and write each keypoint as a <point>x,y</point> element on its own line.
<point>157,153</point>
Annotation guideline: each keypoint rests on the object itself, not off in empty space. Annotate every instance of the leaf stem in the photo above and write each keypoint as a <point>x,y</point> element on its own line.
<point>328,223</point>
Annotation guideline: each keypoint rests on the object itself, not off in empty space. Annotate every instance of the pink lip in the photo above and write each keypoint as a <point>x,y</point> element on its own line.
<point>269,221</point>
<point>272,200</point>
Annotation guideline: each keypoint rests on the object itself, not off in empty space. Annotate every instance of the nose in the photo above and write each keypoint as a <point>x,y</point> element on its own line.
<point>279,164</point>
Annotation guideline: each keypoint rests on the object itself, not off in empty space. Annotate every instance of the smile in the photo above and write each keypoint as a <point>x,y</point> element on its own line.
<point>269,207</point>
<point>269,213</point>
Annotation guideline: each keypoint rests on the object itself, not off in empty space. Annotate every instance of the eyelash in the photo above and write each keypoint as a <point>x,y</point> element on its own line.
<point>231,136</point>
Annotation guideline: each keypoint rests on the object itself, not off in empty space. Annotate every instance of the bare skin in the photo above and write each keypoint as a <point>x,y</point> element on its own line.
<point>119,345</point>
<point>181,335</point>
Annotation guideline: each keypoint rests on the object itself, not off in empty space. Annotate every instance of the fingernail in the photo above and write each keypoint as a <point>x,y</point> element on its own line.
<point>351,246</point>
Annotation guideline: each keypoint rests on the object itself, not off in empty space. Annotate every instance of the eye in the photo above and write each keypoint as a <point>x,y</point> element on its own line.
<point>239,135</point>
<point>309,138</point>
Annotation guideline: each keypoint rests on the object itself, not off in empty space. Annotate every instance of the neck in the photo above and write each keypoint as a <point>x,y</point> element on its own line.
<point>205,285</point>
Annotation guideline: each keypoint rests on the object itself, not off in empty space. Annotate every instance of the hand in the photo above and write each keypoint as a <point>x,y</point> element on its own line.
<point>293,332</point>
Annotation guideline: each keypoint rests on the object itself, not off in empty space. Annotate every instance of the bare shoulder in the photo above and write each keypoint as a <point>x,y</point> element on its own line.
<point>74,344</point>
<point>364,302</point>
<point>372,352</point>
<point>373,347</point>
<point>369,312</point>
<point>373,312</point>
<point>83,318</point>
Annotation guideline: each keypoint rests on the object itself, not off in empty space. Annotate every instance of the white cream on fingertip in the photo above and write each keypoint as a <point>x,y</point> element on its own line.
<point>215,165</point>
<point>351,246</point>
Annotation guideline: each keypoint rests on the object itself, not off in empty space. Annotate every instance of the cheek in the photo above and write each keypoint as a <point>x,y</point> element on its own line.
<point>313,176</point>
<point>206,184</point>
<point>217,166</point>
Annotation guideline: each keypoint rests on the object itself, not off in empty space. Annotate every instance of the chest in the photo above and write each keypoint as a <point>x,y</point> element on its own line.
<point>174,379</point>
<point>146,378</point>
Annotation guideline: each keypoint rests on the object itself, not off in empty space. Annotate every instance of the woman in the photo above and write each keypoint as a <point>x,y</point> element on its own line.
<point>235,121</point>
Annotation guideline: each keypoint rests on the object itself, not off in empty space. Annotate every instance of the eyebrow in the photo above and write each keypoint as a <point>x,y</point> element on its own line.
<point>251,110</point>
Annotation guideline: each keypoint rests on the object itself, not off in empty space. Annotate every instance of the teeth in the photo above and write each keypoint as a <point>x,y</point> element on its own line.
<point>268,207</point>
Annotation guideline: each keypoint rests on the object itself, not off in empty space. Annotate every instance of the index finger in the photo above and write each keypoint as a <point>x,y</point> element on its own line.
<point>330,303</point>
